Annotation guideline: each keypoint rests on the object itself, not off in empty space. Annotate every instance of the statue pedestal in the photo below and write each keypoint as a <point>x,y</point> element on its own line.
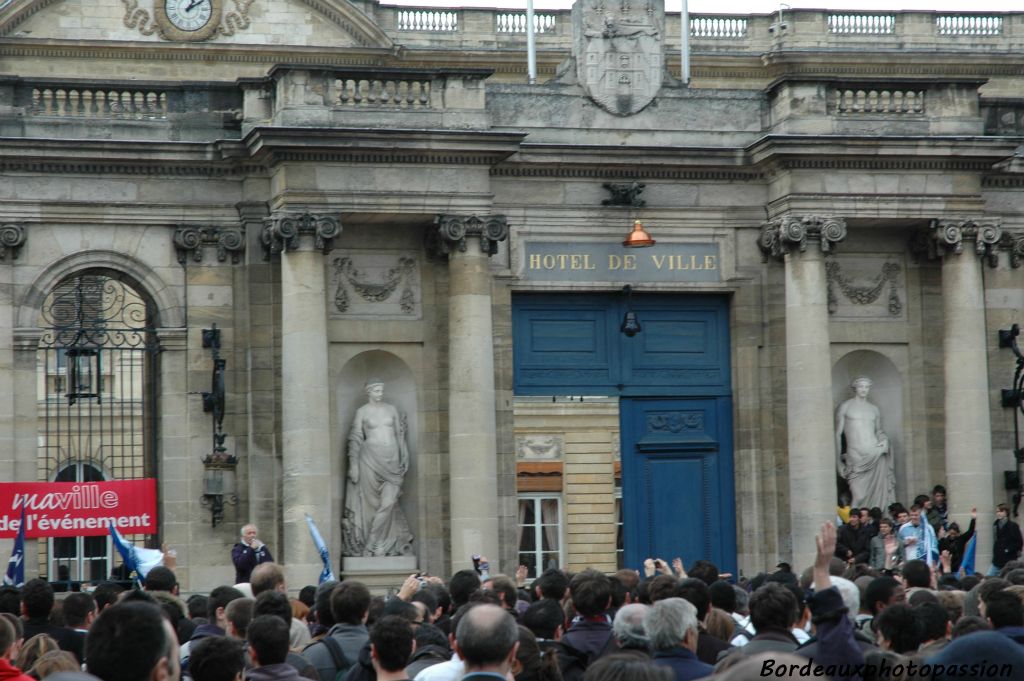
<point>380,575</point>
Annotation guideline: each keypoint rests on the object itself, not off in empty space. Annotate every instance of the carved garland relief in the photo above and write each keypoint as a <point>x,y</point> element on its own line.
<point>188,20</point>
<point>844,293</point>
<point>375,285</point>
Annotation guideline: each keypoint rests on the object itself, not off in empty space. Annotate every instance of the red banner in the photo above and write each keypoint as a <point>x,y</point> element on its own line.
<point>77,509</point>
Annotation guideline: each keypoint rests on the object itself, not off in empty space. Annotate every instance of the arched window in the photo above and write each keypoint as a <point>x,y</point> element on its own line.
<point>96,401</point>
<point>79,558</point>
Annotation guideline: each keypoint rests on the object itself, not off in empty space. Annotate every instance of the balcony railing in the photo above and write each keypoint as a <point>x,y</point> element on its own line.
<point>718,27</point>
<point>862,24</point>
<point>799,28</point>
<point>126,101</point>
<point>515,22</point>
<point>432,21</point>
<point>92,102</point>
<point>959,24</point>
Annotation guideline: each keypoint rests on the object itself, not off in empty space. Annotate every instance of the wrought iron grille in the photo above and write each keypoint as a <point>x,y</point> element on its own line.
<point>96,399</point>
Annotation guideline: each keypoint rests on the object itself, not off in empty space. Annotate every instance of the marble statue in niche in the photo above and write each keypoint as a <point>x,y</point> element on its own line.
<point>866,462</point>
<point>378,459</point>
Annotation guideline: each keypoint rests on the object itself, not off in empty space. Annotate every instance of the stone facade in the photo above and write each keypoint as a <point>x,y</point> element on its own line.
<point>867,208</point>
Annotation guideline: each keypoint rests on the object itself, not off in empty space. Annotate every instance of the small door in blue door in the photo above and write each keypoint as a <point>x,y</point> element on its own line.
<point>677,477</point>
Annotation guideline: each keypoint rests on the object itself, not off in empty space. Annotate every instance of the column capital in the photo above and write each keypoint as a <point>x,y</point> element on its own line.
<point>12,238</point>
<point>948,236</point>
<point>191,239</point>
<point>1014,243</point>
<point>451,231</point>
<point>793,233</point>
<point>285,231</point>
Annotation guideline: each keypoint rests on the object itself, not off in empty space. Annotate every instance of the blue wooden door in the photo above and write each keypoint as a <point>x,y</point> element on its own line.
<point>677,480</point>
<point>674,384</point>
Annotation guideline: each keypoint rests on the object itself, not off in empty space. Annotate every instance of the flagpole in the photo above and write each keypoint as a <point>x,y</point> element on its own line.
<point>684,34</point>
<point>531,45</point>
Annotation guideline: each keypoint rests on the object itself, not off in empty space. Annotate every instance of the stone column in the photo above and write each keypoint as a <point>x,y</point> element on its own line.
<point>12,238</point>
<point>468,242</point>
<point>302,240</point>
<point>961,244</point>
<point>802,243</point>
<point>259,470</point>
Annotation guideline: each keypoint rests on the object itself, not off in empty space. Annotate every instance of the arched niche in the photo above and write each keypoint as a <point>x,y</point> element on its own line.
<point>400,391</point>
<point>886,394</point>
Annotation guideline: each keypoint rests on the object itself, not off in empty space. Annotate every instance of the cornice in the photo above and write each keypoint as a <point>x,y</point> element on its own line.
<point>20,11</point>
<point>891,63</point>
<point>935,152</point>
<point>222,158</point>
<point>376,145</point>
<point>1002,181</point>
<point>204,52</point>
<point>633,171</point>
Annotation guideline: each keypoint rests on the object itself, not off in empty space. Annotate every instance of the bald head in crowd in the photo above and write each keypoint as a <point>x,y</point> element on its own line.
<point>487,639</point>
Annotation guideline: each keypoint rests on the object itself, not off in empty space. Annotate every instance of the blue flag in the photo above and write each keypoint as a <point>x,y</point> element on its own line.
<point>15,575</point>
<point>929,543</point>
<point>327,573</point>
<point>967,564</point>
<point>127,551</point>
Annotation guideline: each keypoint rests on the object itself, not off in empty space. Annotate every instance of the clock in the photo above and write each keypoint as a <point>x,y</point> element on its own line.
<point>187,20</point>
<point>188,15</point>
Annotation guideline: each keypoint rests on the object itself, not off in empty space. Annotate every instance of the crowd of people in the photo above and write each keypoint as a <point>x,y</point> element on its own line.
<point>873,606</point>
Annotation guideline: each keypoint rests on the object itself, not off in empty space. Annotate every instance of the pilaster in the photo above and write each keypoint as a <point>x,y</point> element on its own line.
<point>472,445</point>
<point>961,245</point>
<point>302,239</point>
<point>801,243</point>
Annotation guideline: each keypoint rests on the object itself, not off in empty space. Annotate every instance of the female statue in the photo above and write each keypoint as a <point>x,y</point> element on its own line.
<point>378,459</point>
<point>867,462</point>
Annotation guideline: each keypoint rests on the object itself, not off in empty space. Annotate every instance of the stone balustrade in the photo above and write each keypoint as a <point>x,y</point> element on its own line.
<point>718,27</point>
<point>515,22</point>
<point>99,102</point>
<point>394,92</point>
<point>300,95</point>
<point>962,24</point>
<point>793,29</point>
<point>876,100</point>
<point>856,23</point>
<point>207,110</point>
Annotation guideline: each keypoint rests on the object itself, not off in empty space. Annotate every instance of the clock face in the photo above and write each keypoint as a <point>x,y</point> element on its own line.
<point>188,15</point>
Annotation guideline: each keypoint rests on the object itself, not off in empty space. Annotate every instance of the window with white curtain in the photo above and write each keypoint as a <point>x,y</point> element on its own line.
<point>540,532</point>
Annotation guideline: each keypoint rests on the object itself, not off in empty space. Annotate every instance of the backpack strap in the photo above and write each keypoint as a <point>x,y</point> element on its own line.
<point>610,645</point>
<point>337,654</point>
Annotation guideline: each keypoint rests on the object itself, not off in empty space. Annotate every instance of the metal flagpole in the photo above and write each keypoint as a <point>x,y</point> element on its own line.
<point>684,34</point>
<point>531,46</point>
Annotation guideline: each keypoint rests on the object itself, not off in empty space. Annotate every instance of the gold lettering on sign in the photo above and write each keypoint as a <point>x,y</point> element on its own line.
<point>580,262</point>
<point>622,262</point>
<point>682,262</point>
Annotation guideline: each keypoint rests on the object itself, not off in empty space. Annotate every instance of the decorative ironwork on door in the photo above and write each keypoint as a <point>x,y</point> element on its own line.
<point>97,397</point>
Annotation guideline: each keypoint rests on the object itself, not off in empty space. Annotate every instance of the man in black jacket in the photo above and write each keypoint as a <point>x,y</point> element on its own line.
<point>36,603</point>
<point>1008,541</point>
<point>853,543</point>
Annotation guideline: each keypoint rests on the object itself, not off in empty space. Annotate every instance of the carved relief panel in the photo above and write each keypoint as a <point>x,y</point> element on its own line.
<point>867,287</point>
<point>382,285</point>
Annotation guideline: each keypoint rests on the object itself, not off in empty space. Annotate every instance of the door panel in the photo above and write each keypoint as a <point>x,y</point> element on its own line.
<point>677,480</point>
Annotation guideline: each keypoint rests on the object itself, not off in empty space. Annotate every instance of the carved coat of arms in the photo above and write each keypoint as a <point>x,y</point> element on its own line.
<point>620,52</point>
